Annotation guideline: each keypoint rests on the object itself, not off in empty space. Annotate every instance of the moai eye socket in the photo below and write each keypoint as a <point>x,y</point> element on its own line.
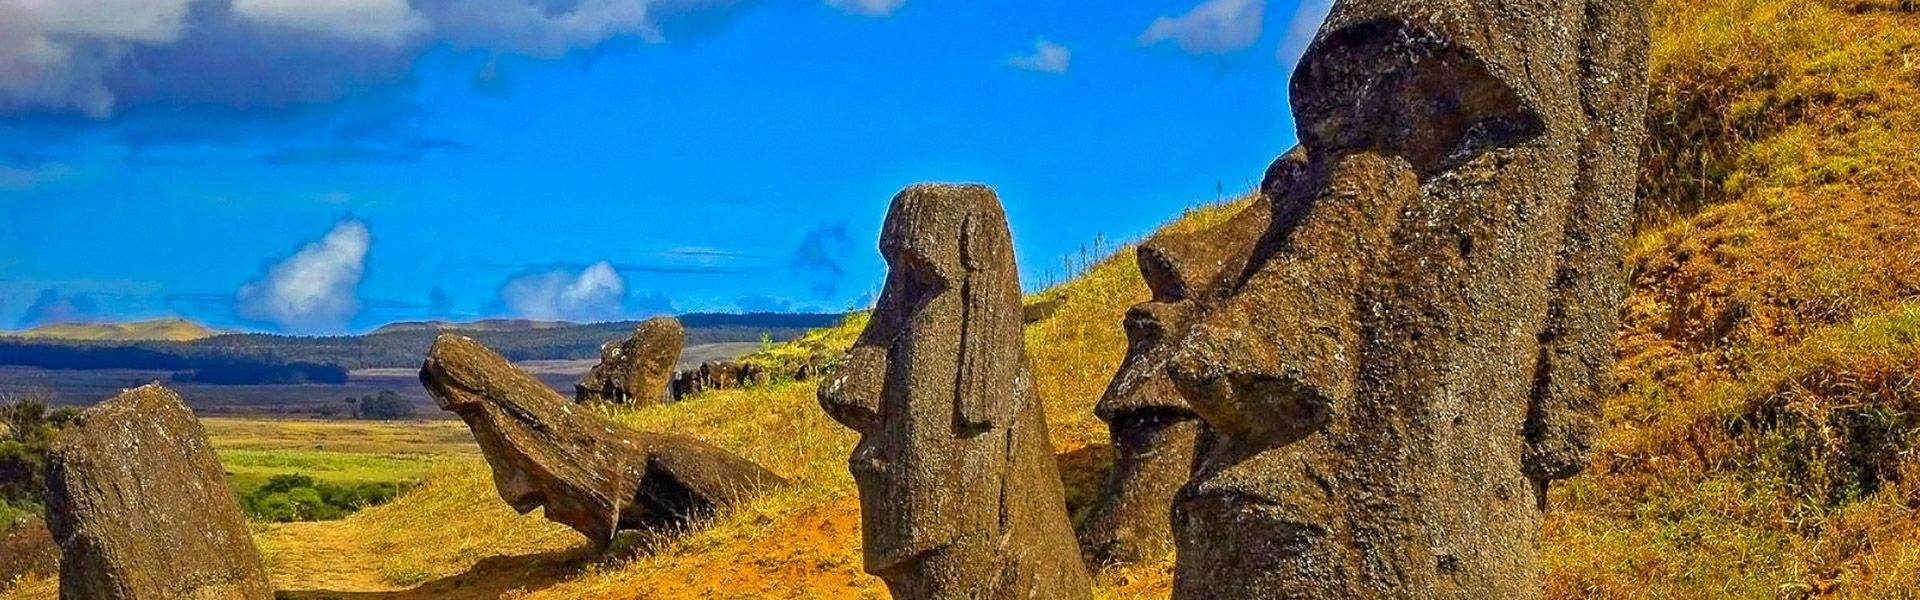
<point>1396,88</point>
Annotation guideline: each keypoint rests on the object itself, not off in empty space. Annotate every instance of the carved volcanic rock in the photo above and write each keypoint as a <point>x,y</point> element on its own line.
<point>590,473</point>
<point>142,510</point>
<point>960,497</point>
<point>1419,341</point>
<point>1152,429</point>
<point>638,368</point>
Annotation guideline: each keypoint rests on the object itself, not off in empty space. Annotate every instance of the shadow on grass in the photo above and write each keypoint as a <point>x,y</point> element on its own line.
<point>1083,472</point>
<point>491,578</point>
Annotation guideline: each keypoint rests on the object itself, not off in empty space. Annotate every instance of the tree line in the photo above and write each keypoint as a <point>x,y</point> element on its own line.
<point>253,359</point>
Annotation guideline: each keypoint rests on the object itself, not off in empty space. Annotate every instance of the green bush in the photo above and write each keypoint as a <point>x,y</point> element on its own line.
<point>294,497</point>
<point>27,429</point>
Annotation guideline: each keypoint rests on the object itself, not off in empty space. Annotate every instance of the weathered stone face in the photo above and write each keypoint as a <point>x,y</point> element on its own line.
<point>591,473</point>
<point>960,496</point>
<point>1151,426</point>
<point>1420,339</point>
<point>638,368</point>
<point>142,510</point>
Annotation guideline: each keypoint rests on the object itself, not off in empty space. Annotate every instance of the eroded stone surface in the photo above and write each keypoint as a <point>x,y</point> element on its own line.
<point>1419,341</point>
<point>636,369</point>
<point>591,473</point>
<point>960,496</point>
<point>142,510</point>
<point>1152,428</point>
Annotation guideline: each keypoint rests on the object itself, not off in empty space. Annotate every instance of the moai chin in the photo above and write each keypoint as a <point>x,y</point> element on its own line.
<point>1419,341</point>
<point>960,497</point>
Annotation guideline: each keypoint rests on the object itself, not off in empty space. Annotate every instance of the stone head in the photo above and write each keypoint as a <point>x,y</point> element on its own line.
<point>937,376</point>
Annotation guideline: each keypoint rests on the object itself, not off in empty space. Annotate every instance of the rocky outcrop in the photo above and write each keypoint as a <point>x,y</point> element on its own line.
<point>636,369</point>
<point>1152,428</point>
<point>591,473</point>
<point>719,375</point>
<point>960,497</point>
<point>1418,342</point>
<point>141,508</point>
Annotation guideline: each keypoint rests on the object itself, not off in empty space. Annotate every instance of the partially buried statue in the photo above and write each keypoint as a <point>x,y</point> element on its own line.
<point>1152,428</point>
<point>591,473</point>
<point>1419,341</point>
<point>637,369</point>
<point>141,509</point>
<point>960,496</point>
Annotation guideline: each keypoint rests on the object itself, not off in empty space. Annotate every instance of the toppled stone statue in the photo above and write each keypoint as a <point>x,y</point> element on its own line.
<point>1419,341</point>
<point>960,497</point>
<point>141,508</point>
<point>590,473</point>
<point>636,369</point>
<point>1152,428</point>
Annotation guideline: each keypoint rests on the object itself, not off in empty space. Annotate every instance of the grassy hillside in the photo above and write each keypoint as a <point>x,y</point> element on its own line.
<point>161,330</point>
<point>1761,445</point>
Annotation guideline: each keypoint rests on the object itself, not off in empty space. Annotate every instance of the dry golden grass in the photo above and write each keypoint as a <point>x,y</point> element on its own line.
<point>171,330</point>
<point>1763,441</point>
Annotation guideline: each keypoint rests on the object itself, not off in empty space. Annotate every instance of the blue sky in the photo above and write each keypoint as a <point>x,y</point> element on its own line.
<point>320,166</point>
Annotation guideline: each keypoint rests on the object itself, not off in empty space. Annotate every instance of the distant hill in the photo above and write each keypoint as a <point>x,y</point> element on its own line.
<point>276,358</point>
<point>162,330</point>
<point>483,325</point>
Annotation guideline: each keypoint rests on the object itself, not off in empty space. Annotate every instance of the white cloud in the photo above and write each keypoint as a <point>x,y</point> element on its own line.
<point>93,57</point>
<point>1213,27</point>
<point>315,290</point>
<point>1307,18</point>
<point>380,21</point>
<point>1046,57</point>
<point>876,8</point>
<point>596,293</point>
<point>54,55</point>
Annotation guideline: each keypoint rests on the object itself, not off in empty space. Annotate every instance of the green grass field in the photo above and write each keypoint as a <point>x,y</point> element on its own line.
<point>338,452</point>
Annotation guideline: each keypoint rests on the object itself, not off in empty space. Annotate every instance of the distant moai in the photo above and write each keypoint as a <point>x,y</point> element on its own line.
<point>1421,338</point>
<point>1152,428</point>
<point>141,507</point>
<point>960,495</point>
<point>638,369</point>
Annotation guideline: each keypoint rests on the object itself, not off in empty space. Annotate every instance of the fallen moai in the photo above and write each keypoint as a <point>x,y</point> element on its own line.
<point>960,496</point>
<point>141,507</point>
<point>1419,341</point>
<point>637,369</point>
<point>591,473</point>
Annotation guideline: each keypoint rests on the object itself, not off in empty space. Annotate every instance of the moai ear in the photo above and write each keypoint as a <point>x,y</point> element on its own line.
<point>991,334</point>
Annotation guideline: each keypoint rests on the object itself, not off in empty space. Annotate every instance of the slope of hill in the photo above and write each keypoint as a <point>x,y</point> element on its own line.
<point>481,325</point>
<point>1763,441</point>
<point>166,330</point>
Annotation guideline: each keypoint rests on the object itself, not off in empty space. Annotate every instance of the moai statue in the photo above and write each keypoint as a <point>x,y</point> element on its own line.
<point>1152,428</point>
<point>638,369</point>
<point>960,497</point>
<point>142,510</point>
<point>587,471</point>
<point>1420,341</point>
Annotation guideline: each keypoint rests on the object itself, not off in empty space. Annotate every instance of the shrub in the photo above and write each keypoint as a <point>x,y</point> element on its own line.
<point>294,497</point>
<point>27,429</point>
